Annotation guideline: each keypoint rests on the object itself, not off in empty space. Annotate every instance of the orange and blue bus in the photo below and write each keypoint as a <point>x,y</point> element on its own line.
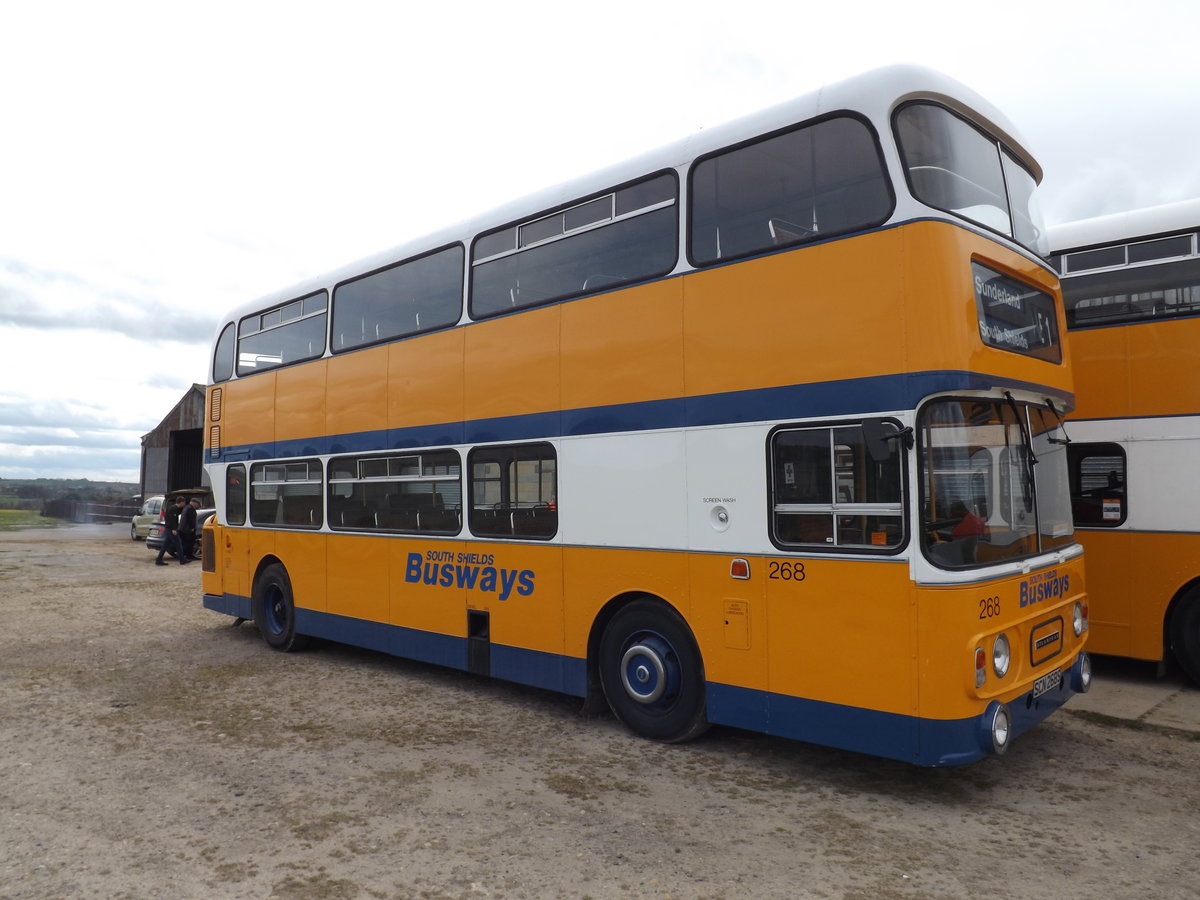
<point>761,429</point>
<point>1131,285</point>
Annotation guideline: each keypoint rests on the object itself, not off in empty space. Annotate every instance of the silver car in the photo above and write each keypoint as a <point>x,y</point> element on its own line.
<point>139,525</point>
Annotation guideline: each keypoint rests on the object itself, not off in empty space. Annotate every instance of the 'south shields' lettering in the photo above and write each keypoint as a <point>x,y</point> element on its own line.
<point>1045,586</point>
<point>472,577</point>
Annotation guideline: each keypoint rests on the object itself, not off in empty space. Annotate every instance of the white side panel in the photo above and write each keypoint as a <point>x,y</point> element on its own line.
<point>623,490</point>
<point>726,496</point>
<point>1163,468</point>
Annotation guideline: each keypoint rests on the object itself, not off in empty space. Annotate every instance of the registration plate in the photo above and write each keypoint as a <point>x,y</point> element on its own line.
<point>1047,682</point>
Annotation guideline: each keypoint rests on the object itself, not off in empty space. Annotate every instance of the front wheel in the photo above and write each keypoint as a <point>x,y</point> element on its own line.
<point>275,611</point>
<point>652,673</point>
<point>1184,633</point>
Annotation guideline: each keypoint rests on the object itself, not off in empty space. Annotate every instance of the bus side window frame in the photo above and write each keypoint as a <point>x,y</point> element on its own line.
<point>509,516</point>
<point>231,517</point>
<point>842,504</point>
<point>1102,497</point>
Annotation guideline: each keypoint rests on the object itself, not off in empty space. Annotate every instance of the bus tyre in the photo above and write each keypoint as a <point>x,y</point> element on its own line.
<point>274,611</point>
<point>1185,633</point>
<point>652,674</point>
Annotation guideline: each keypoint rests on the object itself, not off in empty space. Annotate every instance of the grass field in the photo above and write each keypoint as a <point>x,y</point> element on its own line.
<point>12,519</point>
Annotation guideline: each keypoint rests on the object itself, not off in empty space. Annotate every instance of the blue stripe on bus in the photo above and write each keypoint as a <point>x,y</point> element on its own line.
<point>928,742</point>
<point>552,671</point>
<point>799,401</point>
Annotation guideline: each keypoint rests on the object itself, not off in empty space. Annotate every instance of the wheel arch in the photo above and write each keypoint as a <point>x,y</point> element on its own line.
<point>594,701</point>
<point>269,559</point>
<point>1185,591</point>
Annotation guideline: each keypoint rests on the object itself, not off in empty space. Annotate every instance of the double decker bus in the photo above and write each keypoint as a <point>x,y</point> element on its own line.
<point>1131,286</point>
<point>761,429</point>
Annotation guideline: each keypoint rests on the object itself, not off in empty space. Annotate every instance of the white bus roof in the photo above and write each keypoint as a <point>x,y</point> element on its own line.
<point>1125,226</point>
<point>875,93</point>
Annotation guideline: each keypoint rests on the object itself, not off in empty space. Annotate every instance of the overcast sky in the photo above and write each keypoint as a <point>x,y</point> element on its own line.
<point>163,162</point>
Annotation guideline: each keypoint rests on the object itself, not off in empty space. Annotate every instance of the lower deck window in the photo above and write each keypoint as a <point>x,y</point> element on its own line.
<point>286,494</point>
<point>514,491</point>
<point>413,492</point>
<point>829,492</point>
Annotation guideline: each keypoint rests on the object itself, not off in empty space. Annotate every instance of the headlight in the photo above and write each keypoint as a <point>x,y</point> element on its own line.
<point>997,728</point>
<point>1079,619</point>
<point>1001,656</point>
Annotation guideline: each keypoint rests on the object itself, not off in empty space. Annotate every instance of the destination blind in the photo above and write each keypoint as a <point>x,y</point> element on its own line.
<point>1015,316</point>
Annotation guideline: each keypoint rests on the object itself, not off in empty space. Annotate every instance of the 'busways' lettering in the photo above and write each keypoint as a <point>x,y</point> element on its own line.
<point>1047,586</point>
<point>488,579</point>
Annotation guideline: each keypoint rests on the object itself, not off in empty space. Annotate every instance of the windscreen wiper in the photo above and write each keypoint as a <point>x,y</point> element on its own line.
<point>1033,460</point>
<point>1062,424</point>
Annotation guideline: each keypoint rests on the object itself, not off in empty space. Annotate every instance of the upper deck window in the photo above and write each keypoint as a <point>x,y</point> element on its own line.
<point>810,183</point>
<point>222,369</point>
<point>954,166</point>
<point>408,298</point>
<point>624,236</point>
<point>283,334</point>
<point>1133,294</point>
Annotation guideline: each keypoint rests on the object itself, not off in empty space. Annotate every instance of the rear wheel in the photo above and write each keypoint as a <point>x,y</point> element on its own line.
<point>274,610</point>
<point>652,673</point>
<point>1184,633</point>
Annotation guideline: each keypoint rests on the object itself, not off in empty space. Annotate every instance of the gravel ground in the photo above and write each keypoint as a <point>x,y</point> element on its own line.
<point>148,748</point>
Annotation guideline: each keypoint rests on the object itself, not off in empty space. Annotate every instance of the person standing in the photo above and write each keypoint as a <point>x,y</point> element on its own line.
<point>171,534</point>
<point>187,530</point>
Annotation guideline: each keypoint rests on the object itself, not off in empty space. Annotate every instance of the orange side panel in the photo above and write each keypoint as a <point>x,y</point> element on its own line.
<point>882,304</point>
<point>597,576</point>
<point>1102,383</point>
<point>356,398</point>
<point>359,584</point>
<point>842,631</point>
<point>802,302</point>
<point>1133,577</point>
<point>249,410</point>
<point>1163,370</point>
<point>729,620</point>
<point>1110,607</point>
<point>299,401</point>
<point>512,365</point>
<point>643,324</point>
<point>425,380</point>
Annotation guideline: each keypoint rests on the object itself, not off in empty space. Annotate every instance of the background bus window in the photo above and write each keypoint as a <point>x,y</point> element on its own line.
<point>514,491</point>
<point>809,183</point>
<point>829,492</point>
<point>416,492</point>
<point>1141,293</point>
<point>1097,473</point>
